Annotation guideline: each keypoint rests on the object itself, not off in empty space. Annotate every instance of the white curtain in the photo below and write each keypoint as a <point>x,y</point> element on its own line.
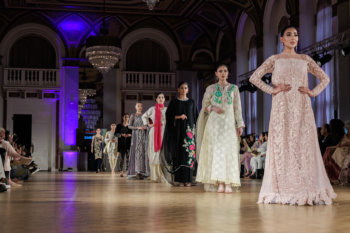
<point>251,103</point>
<point>324,110</point>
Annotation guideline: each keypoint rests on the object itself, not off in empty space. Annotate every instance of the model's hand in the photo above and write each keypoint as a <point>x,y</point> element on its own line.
<point>150,125</point>
<point>281,88</point>
<point>218,110</point>
<point>240,131</point>
<point>305,90</point>
<point>92,150</point>
<point>182,117</point>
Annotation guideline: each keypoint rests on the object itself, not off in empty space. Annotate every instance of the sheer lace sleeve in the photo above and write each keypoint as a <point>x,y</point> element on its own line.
<point>316,71</point>
<point>207,97</point>
<point>131,122</point>
<point>147,115</point>
<point>266,67</point>
<point>237,108</point>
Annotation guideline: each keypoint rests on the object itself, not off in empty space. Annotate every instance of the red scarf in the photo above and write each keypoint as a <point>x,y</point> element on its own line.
<point>158,128</point>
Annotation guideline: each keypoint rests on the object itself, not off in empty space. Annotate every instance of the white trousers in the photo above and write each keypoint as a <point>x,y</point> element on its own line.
<point>257,162</point>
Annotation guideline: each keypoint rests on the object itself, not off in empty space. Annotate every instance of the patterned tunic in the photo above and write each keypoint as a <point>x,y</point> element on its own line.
<point>98,147</point>
<point>219,149</point>
<point>137,157</point>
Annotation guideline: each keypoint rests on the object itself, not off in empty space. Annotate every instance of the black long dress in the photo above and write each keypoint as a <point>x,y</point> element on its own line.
<point>178,147</point>
<point>123,146</point>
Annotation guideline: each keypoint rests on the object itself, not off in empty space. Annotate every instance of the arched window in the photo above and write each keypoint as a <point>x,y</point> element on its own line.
<point>32,52</point>
<point>251,116</point>
<point>324,102</point>
<point>203,58</point>
<point>147,55</point>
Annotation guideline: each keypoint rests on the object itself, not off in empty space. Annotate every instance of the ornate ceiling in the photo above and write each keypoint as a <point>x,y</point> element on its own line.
<point>192,24</point>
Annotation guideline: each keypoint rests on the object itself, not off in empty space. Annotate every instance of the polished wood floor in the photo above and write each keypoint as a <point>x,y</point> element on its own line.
<point>90,202</point>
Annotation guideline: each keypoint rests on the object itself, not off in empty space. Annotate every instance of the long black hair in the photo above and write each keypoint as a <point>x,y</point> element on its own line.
<point>158,94</point>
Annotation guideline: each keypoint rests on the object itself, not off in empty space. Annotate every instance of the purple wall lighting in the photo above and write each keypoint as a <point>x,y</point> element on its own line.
<point>69,105</point>
<point>73,27</point>
<point>70,160</point>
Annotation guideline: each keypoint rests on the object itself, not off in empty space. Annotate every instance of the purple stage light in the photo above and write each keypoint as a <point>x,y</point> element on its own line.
<point>73,28</point>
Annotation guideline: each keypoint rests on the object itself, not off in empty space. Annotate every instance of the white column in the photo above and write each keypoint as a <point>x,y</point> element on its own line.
<point>68,120</point>
<point>69,99</point>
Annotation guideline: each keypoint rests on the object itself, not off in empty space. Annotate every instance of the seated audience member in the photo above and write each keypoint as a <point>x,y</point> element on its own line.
<point>336,133</point>
<point>249,145</point>
<point>2,171</point>
<point>257,162</point>
<point>336,157</point>
<point>10,154</point>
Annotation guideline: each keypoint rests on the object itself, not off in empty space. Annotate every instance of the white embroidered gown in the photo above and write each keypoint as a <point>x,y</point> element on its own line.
<point>217,139</point>
<point>294,170</point>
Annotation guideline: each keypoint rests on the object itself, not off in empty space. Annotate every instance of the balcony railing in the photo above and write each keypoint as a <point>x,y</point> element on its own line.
<point>148,80</point>
<point>23,77</point>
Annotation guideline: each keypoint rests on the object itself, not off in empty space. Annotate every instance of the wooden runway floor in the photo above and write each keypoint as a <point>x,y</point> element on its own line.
<point>90,202</point>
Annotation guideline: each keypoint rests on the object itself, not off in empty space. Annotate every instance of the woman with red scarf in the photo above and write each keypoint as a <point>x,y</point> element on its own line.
<point>154,117</point>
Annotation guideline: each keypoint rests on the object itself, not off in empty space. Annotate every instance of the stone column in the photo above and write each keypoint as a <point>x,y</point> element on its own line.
<point>110,98</point>
<point>68,116</point>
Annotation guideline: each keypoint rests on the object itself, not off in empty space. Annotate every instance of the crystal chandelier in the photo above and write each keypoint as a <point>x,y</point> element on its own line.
<point>83,94</point>
<point>103,52</point>
<point>151,3</point>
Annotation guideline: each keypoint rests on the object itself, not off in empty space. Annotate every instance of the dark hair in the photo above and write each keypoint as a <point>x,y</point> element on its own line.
<point>336,126</point>
<point>266,134</point>
<point>287,27</point>
<point>182,83</point>
<point>327,127</point>
<point>159,93</point>
<point>125,114</point>
<point>219,65</point>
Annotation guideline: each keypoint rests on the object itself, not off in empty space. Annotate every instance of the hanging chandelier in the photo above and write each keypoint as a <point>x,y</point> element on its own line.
<point>83,94</point>
<point>151,3</point>
<point>103,51</point>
